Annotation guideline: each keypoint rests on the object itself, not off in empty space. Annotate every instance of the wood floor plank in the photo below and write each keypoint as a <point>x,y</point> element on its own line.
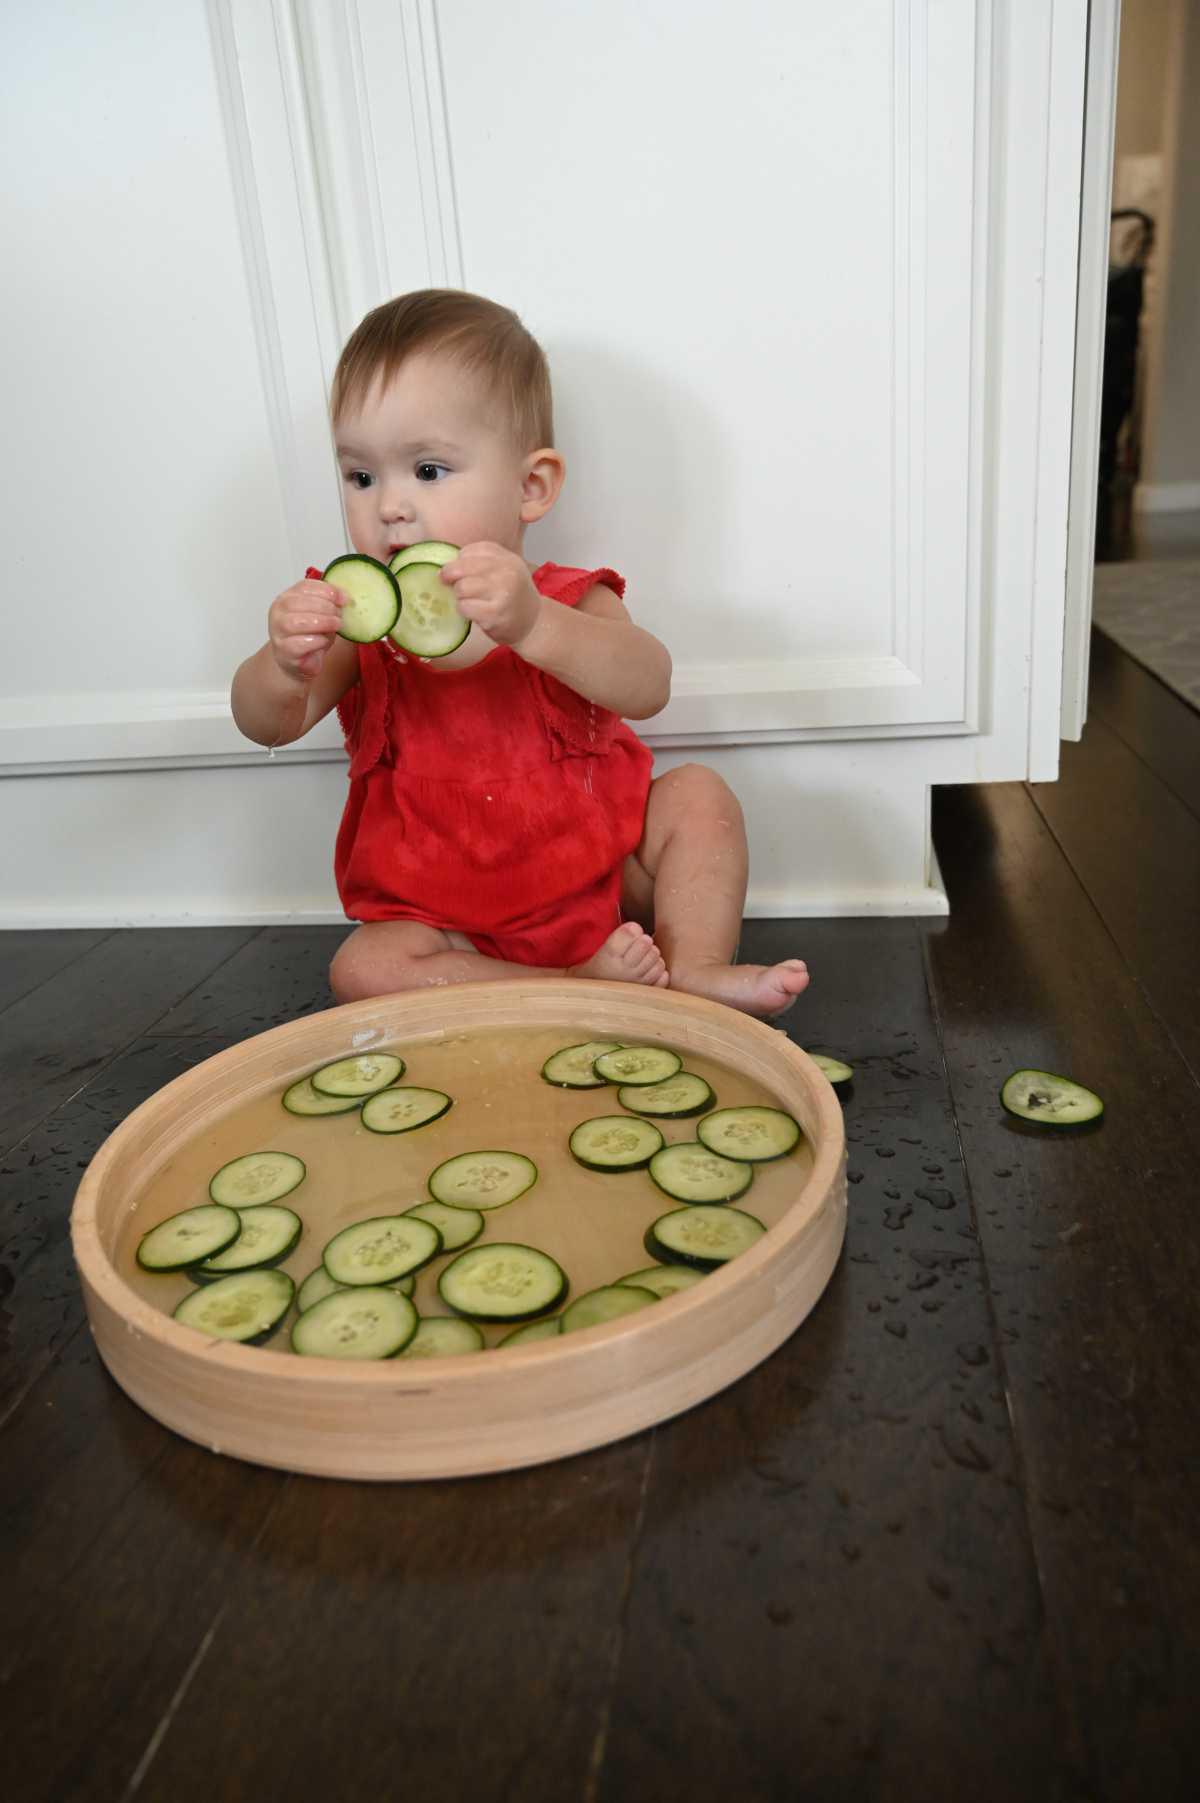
<point>1094,1267</point>
<point>58,1035</point>
<point>1156,724</point>
<point>835,1576</point>
<point>29,958</point>
<point>279,975</point>
<point>1143,878</point>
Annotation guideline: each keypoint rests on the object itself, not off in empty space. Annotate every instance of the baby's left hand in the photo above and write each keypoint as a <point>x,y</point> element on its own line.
<point>493,587</point>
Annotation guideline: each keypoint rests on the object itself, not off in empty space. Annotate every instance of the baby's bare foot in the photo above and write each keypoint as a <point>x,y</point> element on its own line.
<point>627,956</point>
<point>764,990</point>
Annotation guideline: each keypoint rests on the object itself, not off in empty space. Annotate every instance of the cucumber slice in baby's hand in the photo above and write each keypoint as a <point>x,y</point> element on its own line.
<point>1051,1101</point>
<point>429,624</point>
<point>373,598</point>
<point>430,550</point>
<point>256,1178</point>
<point>247,1306</point>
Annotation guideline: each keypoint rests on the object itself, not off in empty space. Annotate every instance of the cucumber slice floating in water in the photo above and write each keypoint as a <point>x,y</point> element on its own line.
<point>608,1303</point>
<point>370,1322</point>
<point>704,1238</point>
<point>689,1172</point>
<point>637,1064</point>
<point>572,1067</point>
<point>1049,1100</point>
<point>302,1098</point>
<point>533,1330</point>
<point>255,1178</point>
<point>189,1237</point>
<point>457,1226</point>
<point>440,1336</point>
<point>664,1280</point>
<point>373,601</point>
<point>614,1142</point>
<point>755,1134</point>
<point>377,1251</point>
<point>247,1306</point>
<point>502,1283</point>
<point>482,1179</point>
<point>674,1099</point>
<point>268,1234</point>
<point>401,1109</point>
<point>358,1077</point>
<point>319,1284</point>
<point>429,623</point>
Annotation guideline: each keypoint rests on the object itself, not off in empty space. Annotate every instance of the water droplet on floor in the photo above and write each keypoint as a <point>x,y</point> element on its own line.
<point>780,1616</point>
<point>850,1551</point>
<point>972,1353</point>
<point>897,1328</point>
<point>1003,1171</point>
<point>854,1176</point>
<point>939,1586</point>
<point>885,1152</point>
<point>936,1198</point>
<point>873,1308</point>
<point>894,1218</point>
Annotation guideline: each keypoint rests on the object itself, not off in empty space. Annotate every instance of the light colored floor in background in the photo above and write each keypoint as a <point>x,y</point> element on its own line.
<point>1150,604</point>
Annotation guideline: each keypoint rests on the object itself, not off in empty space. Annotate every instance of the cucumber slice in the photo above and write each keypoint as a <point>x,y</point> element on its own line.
<point>755,1134</point>
<point>689,1172</point>
<point>429,624</point>
<point>247,1306</point>
<point>548,1329</point>
<point>572,1067</point>
<point>674,1099</point>
<point>612,1142</point>
<point>664,1280</point>
<point>370,1322</point>
<point>302,1098</point>
<point>377,1251</point>
<point>268,1234</point>
<point>374,599</point>
<point>189,1237</point>
<point>438,1336</point>
<point>608,1303</point>
<point>255,1178</point>
<point>502,1283</point>
<point>1051,1101</point>
<point>457,1226</point>
<point>703,1238</point>
<point>319,1284</point>
<point>482,1179</point>
<point>430,550</point>
<point>400,1110</point>
<point>833,1068</point>
<point>637,1064</point>
<point>358,1077</point>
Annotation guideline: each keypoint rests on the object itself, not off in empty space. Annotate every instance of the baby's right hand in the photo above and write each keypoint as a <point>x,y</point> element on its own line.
<point>302,624</point>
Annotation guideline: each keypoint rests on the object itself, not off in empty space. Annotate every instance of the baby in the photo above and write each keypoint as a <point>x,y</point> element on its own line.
<point>501,820</point>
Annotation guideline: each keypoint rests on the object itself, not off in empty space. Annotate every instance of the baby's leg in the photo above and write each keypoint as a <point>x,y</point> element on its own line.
<point>385,956</point>
<point>690,871</point>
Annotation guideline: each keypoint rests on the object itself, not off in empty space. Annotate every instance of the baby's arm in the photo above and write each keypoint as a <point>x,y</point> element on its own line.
<point>302,671</point>
<point>594,648</point>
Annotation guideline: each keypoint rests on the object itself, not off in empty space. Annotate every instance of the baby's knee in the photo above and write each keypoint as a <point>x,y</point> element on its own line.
<point>349,977</point>
<point>695,788</point>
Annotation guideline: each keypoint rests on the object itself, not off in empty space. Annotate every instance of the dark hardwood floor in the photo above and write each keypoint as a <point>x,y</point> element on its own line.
<point>942,1544</point>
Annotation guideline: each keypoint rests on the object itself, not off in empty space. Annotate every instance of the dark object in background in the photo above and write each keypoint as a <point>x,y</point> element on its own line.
<point>1120,438</point>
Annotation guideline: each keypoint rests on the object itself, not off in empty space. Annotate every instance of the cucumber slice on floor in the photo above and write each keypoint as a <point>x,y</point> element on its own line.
<point>439,1336</point>
<point>429,623</point>
<point>572,1067</point>
<point>319,1284</point>
<point>247,1306</point>
<point>482,1179</point>
<point>302,1098</point>
<point>374,599</point>
<point>255,1178</point>
<point>358,1077</point>
<point>674,1099</point>
<point>1051,1101</point>
<point>430,550</point>
<point>636,1064</point>
<point>533,1330</point>
<point>378,1251</point>
<point>400,1110</point>
<point>457,1226</point>
<point>268,1234</point>
<point>189,1237</point>
<point>664,1280</point>
<point>753,1134</point>
<point>689,1172</point>
<point>613,1142</point>
<point>833,1068</point>
<point>502,1283</point>
<point>608,1303</point>
<point>701,1237</point>
<point>369,1322</point>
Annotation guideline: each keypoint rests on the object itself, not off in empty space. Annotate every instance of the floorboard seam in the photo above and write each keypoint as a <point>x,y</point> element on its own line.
<point>149,1032</point>
<point>1110,725</point>
<point>53,1354</point>
<point>600,1744</point>
<point>13,1001</point>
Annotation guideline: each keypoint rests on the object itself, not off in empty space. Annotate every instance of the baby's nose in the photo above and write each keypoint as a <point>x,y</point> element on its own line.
<point>393,502</point>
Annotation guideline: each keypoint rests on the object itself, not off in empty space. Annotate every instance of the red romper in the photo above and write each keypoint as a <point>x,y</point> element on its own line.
<point>490,800</point>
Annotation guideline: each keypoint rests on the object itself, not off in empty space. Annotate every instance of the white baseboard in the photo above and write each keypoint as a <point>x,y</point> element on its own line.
<point>1167,497</point>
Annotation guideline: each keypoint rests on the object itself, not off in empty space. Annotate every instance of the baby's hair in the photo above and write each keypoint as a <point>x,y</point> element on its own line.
<point>478,334</point>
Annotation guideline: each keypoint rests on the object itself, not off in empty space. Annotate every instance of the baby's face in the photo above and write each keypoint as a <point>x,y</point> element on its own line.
<point>426,458</point>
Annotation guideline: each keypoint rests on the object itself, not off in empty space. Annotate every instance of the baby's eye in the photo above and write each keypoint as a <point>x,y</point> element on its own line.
<point>431,472</point>
<point>359,478</point>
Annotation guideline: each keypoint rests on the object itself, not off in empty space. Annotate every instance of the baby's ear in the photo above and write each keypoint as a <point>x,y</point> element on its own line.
<point>541,483</point>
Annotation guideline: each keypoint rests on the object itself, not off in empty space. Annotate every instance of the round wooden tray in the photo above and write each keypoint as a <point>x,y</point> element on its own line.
<point>462,1416</point>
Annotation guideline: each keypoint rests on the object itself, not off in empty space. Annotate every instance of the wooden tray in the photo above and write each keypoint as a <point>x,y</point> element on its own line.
<point>480,1413</point>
